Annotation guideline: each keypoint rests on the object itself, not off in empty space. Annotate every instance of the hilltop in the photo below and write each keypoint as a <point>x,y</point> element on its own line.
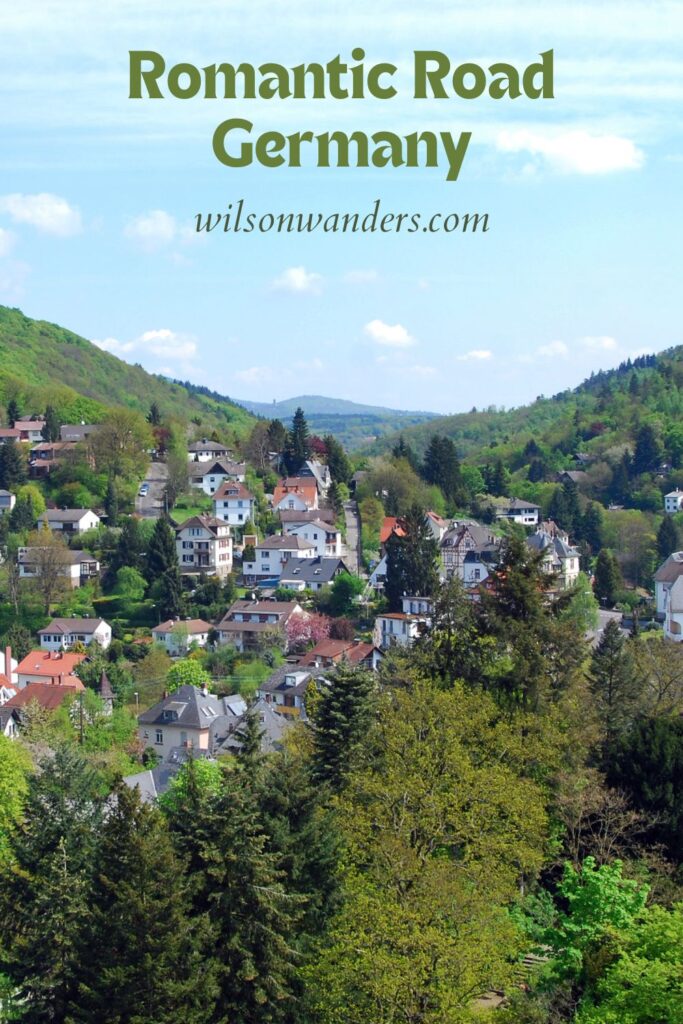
<point>42,361</point>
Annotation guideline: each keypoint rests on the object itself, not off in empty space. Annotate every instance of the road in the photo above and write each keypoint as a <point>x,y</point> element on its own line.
<point>603,618</point>
<point>352,549</point>
<point>152,505</point>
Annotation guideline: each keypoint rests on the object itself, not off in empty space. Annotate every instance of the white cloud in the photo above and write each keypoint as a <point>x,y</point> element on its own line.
<point>298,279</point>
<point>161,343</point>
<point>475,355</point>
<point>254,375</point>
<point>393,335</point>
<point>576,152</point>
<point>44,211</point>
<point>599,343</point>
<point>152,230</point>
<point>361,276</point>
<point>6,242</point>
<point>553,348</point>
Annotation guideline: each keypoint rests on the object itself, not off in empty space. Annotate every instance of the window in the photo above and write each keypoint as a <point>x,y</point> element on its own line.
<point>159,736</point>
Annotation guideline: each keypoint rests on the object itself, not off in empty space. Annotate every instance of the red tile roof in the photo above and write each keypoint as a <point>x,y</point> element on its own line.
<point>389,527</point>
<point>48,695</point>
<point>50,664</point>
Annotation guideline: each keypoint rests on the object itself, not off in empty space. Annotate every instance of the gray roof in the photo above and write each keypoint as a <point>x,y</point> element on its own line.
<point>286,543</point>
<point>308,515</point>
<point>541,541</point>
<point>273,728</point>
<point>72,626</point>
<point>207,446</point>
<point>671,569</point>
<point>312,570</point>
<point>516,504</point>
<point>287,679</point>
<point>65,515</point>
<point>191,707</point>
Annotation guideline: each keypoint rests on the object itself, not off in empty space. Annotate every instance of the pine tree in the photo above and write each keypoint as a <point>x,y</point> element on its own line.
<point>402,450</point>
<point>613,683</point>
<point>607,577</point>
<point>337,460</point>
<point>667,537</point>
<point>130,549</point>
<point>334,499</point>
<point>51,428</point>
<point>12,466</point>
<point>161,554</point>
<point>154,415</point>
<point>249,735</point>
<point>648,450</point>
<point>13,411</point>
<point>298,446</point>
<point>442,468</point>
<point>342,721</point>
<point>591,528</point>
<point>169,592</point>
<point>141,950</point>
<point>277,435</point>
<point>111,503</point>
<point>45,896</point>
<point>411,560</point>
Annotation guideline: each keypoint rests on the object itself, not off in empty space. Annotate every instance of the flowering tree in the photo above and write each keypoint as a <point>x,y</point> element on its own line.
<point>303,630</point>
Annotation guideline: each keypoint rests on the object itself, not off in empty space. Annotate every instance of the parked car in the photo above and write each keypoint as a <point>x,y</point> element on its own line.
<point>144,490</point>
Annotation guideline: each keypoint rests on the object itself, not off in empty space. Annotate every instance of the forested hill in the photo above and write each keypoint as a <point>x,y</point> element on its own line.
<point>42,362</point>
<point>599,414</point>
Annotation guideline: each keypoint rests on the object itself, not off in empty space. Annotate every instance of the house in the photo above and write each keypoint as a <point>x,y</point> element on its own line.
<point>204,545</point>
<point>272,726</point>
<point>207,451</point>
<point>62,633</point>
<point>245,622</point>
<point>7,690</point>
<point>310,573</point>
<point>436,525</point>
<point>30,428</point>
<point>208,476</point>
<point>69,520</point>
<point>559,557</point>
<point>44,457</point>
<point>572,476</point>
<point>469,551</point>
<point>48,696</point>
<point>328,653</point>
<point>673,501</point>
<point>7,501</point>
<point>79,567</point>
<point>43,666</point>
<point>673,610</point>
<point>296,492</point>
<point>286,689</point>
<point>391,527</point>
<point>77,432</point>
<point>524,512</point>
<point>665,577</point>
<point>272,553</point>
<point>177,635</point>
<point>8,667</point>
<point>9,434</point>
<point>398,628</point>
<point>378,576</point>
<point>318,471</point>
<point>325,538</point>
<point>233,503</point>
<point>188,718</point>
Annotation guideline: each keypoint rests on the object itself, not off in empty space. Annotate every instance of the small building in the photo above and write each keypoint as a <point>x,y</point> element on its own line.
<point>286,690</point>
<point>178,635</point>
<point>48,667</point>
<point>79,566</point>
<point>398,629</point>
<point>30,428</point>
<point>328,653</point>
<point>77,432</point>
<point>9,434</point>
<point>518,511</point>
<point>325,537</point>
<point>69,520</point>
<point>208,476</point>
<point>673,501</point>
<point>296,492</point>
<point>204,545</point>
<point>669,572</point>
<point>207,451</point>
<point>46,456</point>
<point>7,501</point>
<point>188,718</point>
<point>469,552</point>
<point>310,573</point>
<point>290,517</point>
<point>559,557</point>
<point>272,553</point>
<point>48,696</point>
<point>245,622</point>
<point>60,634</point>
<point>233,503</point>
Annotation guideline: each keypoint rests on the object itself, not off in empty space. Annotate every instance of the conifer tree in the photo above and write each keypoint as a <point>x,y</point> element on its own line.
<point>161,554</point>
<point>12,466</point>
<point>607,577</point>
<point>411,560</point>
<point>111,503</point>
<point>154,415</point>
<point>342,721</point>
<point>337,460</point>
<point>667,537</point>
<point>648,450</point>
<point>13,411</point>
<point>613,682</point>
<point>50,430</point>
<point>298,446</point>
<point>591,529</point>
<point>130,549</point>
<point>403,450</point>
<point>334,499</point>
<point>45,896</point>
<point>141,951</point>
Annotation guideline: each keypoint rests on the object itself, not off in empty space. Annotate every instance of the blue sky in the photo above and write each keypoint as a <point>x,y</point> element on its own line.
<point>581,266</point>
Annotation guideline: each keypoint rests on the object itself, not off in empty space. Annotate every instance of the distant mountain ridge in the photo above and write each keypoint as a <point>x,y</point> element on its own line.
<point>320,405</point>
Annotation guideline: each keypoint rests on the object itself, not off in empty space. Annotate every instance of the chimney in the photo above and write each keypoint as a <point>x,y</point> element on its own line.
<point>8,662</point>
<point>165,694</point>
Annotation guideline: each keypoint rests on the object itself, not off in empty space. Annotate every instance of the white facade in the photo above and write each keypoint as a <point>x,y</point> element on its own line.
<point>62,633</point>
<point>673,502</point>
<point>178,636</point>
<point>7,501</point>
<point>234,504</point>
<point>77,520</point>
<point>204,544</point>
<point>519,512</point>
<point>208,476</point>
<point>292,502</point>
<point>325,538</point>
<point>78,571</point>
<point>673,610</point>
<point>397,628</point>
<point>271,555</point>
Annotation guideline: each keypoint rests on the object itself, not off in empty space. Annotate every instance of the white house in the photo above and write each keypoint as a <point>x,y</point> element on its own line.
<point>233,503</point>
<point>208,476</point>
<point>524,512</point>
<point>673,501</point>
<point>62,633</point>
<point>205,451</point>
<point>69,520</point>
<point>7,501</point>
<point>469,551</point>
<point>246,622</point>
<point>204,544</point>
<point>272,553</point>
<point>398,628</point>
<point>667,574</point>
<point>559,557</point>
<point>30,428</point>
<point>79,569</point>
<point>673,610</point>
<point>310,573</point>
<point>296,493</point>
<point>178,635</point>
<point>325,537</point>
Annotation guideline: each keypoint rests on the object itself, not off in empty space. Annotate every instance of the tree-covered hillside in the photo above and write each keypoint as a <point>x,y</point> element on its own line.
<point>47,364</point>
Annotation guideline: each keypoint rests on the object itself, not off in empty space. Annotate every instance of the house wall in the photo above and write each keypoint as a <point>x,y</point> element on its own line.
<point>59,641</point>
<point>172,734</point>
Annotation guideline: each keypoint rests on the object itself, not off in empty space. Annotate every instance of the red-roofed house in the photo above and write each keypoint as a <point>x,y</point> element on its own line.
<point>296,492</point>
<point>47,667</point>
<point>331,652</point>
<point>177,634</point>
<point>47,695</point>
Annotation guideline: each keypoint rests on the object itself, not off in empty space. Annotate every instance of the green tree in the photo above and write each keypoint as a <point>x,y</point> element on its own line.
<point>613,683</point>
<point>130,584</point>
<point>141,951</point>
<point>648,452</point>
<point>342,721</point>
<point>15,765</point>
<point>51,428</point>
<point>607,577</point>
<point>402,450</point>
<point>334,499</point>
<point>130,549</point>
<point>337,460</point>
<point>411,560</point>
<point>277,436</point>
<point>111,503</point>
<point>297,447</point>
<point>591,527</point>
<point>12,465</point>
<point>442,468</point>
<point>19,638</point>
<point>162,569</point>
<point>121,444</point>
<point>13,411</point>
<point>187,672</point>
<point>667,538</point>
<point>343,592</point>
<point>154,415</point>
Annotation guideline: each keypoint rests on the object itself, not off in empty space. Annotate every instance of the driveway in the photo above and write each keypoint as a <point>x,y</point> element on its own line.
<point>152,505</point>
<point>351,554</point>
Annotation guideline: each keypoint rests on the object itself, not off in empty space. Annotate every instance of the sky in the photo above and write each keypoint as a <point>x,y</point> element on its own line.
<point>580,267</point>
